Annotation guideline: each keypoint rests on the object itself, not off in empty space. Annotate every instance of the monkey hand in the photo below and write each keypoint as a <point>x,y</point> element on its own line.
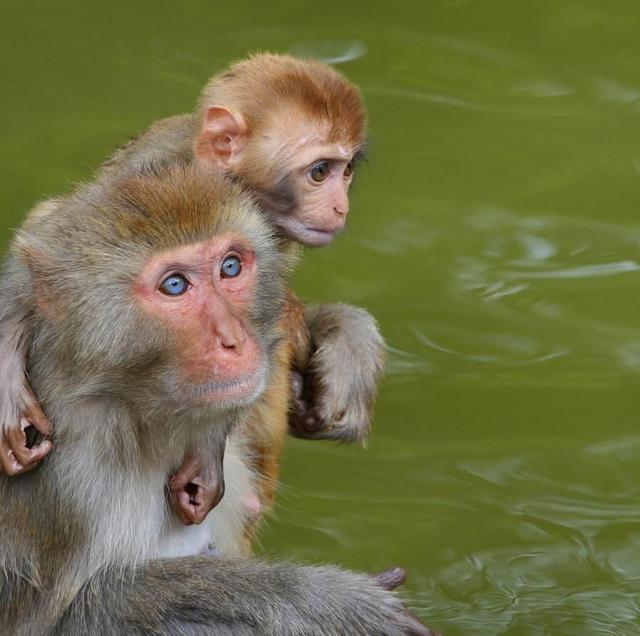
<point>194,493</point>
<point>20,411</point>
<point>334,398</point>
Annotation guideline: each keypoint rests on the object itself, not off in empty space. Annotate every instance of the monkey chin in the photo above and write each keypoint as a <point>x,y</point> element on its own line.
<point>231,392</point>
<point>305,234</point>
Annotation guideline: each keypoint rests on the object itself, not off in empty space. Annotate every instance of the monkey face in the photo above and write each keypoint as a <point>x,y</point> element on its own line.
<point>300,166</point>
<point>202,295</point>
<point>309,200</point>
<point>172,278</point>
<point>322,194</point>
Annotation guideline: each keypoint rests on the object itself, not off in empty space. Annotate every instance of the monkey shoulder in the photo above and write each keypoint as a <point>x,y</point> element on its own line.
<point>165,142</point>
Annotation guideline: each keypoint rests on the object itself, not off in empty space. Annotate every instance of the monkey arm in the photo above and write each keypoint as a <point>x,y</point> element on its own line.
<point>295,327</point>
<point>18,405</point>
<point>334,399</point>
<point>203,595</point>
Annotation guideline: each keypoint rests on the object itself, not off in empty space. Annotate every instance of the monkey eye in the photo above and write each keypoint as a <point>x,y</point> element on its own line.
<point>174,285</point>
<point>348,170</point>
<point>231,267</point>
<point>319,171</point>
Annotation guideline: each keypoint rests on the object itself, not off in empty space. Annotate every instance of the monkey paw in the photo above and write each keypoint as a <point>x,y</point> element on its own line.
<point>192,495</point>
<point>334,399</point>
<point>21,420</point>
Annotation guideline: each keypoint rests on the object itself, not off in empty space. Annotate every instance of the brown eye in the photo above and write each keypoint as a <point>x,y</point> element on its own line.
<point>320,171</point>
<point>348,170</point>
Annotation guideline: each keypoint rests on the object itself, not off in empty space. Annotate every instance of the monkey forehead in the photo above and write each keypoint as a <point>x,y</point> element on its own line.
<point>315,150</point>
<point>106,231</point>
<point>295,142</point>
<point>267,85</point>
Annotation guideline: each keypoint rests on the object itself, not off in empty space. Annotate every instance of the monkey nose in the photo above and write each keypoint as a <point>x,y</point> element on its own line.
<point>341,204</point>
<point>230,335</point>
<point>232,340</point>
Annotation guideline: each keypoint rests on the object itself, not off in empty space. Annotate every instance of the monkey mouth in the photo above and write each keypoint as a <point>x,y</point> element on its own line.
<point>316,237</point>
<point>244,388</point>
<point>306,234</point>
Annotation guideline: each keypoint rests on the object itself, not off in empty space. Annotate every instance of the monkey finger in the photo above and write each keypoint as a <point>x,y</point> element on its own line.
<point>8,462</point>
<point>188,471</point>
<point>183,507</point>
<point>16,440</point>
<point>28,457</point>
<point>197,514</point>
<point>35,415</point>
<point>390,579</point>
<point>40,451</point>
<point>208,498</point>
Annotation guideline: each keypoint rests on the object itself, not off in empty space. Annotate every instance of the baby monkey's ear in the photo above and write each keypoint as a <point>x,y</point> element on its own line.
<point>222,138</point>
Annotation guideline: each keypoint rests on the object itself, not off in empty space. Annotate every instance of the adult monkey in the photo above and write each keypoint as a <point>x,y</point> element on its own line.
<point>158,300</point>
<point>291,131</point>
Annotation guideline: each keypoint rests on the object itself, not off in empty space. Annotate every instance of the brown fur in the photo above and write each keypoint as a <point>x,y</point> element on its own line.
<point>82,541</point>
<point>317,92</point>
<point>319,95</point>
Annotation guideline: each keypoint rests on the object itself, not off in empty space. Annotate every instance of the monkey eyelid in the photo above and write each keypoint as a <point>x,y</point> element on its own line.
<point>237,249</point>
<point>175,270</point>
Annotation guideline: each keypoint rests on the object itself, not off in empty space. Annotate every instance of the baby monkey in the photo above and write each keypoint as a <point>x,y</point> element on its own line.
<point>291,132</point>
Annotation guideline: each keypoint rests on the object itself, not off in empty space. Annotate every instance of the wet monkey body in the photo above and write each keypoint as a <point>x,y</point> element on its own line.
<point>156,306</point>
<point>290,132</point>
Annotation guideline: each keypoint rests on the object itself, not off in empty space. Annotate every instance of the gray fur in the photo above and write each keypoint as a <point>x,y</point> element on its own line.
<point>169,142</point>
<point>343,376</point>
<point>80,535</point>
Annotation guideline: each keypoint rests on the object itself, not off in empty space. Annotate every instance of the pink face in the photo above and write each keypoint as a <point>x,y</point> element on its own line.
<point>322,189</point>
<point>203,294</point>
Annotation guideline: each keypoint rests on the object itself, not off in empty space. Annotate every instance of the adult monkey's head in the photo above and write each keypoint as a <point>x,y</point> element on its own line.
<point>163,288</point>
<point>290,129</point>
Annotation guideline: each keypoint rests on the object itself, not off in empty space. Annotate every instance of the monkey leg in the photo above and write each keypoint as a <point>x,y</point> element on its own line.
<point>202,595</point>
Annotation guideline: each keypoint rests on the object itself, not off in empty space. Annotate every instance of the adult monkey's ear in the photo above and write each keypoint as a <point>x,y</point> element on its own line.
<point>223,135</point>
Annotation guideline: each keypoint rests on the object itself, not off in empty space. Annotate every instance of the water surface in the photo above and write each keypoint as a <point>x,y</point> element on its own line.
<point>494,234</point>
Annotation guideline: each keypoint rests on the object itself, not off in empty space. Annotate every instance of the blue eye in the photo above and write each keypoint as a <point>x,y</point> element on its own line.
<point>231,267</point>
<point>174,285</point>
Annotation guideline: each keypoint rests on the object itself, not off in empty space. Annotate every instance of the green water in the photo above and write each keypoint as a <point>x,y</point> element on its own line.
<point>495,236</point>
